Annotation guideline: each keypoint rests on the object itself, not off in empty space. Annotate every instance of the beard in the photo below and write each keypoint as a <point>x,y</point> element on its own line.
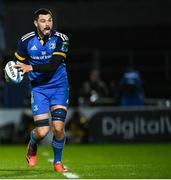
<point>45,33</point>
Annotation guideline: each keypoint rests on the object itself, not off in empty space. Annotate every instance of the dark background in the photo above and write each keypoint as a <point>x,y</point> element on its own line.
<point>110,35</point>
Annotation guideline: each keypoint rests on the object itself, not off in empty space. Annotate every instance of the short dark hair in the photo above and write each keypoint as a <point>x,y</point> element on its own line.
<point>43,11</point>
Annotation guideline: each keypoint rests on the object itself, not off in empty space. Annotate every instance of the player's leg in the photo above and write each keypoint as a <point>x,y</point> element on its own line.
<point>40,108</point>
<point>58,118</point>
<point>59,103</point>
<point>36,135</point>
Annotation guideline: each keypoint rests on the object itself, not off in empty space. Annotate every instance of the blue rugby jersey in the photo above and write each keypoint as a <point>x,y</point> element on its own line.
<point>31,50</point>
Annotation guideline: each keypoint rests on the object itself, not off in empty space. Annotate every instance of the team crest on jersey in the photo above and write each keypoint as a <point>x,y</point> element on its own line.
<point>52,45</point>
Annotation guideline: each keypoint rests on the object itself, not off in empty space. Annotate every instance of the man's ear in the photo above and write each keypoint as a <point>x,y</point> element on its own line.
<point>35,23</point>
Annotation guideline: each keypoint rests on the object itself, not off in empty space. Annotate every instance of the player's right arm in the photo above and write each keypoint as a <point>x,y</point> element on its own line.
<point>20,57</point>
<point>20,53</point>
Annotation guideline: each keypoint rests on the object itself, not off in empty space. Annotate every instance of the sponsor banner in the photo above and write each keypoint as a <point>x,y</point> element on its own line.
<point>130,126</point>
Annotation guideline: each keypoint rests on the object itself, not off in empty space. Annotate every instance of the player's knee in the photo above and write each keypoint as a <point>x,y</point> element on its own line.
<point>42,127</point>
<point>58,129</point>
<point>42,132</point>
<point>58,114</point>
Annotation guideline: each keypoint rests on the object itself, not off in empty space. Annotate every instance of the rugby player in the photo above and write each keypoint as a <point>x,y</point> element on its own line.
<point>41,54</point>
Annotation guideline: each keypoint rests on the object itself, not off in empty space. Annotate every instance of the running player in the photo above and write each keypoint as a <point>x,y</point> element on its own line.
<point>41,54</point>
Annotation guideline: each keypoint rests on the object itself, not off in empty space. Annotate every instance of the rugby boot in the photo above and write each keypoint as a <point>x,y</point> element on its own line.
<point>58,167</point>
<point>31,156</point>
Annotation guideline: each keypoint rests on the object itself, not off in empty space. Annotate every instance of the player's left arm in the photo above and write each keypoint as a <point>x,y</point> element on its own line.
<point>58,57</point>
<point>54,63</point>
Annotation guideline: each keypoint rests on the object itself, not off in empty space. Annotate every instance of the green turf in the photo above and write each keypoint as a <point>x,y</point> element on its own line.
<point>92,161</point>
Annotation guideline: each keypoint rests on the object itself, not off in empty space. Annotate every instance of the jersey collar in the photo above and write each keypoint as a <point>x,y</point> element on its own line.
<point>44,40</point>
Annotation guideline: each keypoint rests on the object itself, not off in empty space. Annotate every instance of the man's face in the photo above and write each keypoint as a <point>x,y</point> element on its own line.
<point>44,24</point>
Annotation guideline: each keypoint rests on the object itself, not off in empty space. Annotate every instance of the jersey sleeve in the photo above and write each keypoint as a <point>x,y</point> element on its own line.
<point>20,53</point>
<point>62,45</point>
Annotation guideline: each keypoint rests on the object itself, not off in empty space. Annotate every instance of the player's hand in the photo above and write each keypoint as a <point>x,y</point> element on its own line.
<point>25,68</point>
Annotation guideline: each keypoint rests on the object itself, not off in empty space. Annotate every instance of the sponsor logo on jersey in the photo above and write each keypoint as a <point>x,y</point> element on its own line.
<point>43,53</point>
<point>41,57</point>
<point>33,48</point>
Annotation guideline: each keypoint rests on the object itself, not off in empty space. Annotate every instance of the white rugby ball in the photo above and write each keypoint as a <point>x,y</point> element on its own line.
<point>12,74</point>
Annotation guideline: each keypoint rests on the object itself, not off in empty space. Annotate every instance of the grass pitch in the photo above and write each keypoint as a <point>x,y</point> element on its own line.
<point>102,161</point>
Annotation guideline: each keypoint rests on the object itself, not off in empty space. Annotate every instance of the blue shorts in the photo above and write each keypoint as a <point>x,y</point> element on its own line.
<point>43,99</point>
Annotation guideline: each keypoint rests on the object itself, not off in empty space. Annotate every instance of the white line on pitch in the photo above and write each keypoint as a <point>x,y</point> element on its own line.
<point>70,175</point>
<point>50,160</point>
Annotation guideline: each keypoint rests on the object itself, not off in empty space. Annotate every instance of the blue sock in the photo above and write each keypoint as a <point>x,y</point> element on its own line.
<point>33,141</point>
<point>58,146</point>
